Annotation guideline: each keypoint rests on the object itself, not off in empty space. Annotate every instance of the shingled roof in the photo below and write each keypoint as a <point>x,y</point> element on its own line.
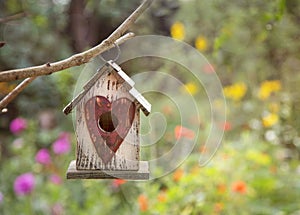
<point>122,77</point>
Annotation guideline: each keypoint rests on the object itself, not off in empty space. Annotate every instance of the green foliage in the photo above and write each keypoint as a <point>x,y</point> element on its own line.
<point>256,171</point>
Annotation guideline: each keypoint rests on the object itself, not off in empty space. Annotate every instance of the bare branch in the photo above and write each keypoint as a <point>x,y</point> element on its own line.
<point>13,94</point>
<point>13,17</point>
<point>77,59</point>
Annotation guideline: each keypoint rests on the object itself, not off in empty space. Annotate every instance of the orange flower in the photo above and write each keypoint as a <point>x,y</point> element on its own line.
<point>219,206</point>
<point>225,156</point>
<point>221,188</point>
<point>118,182</point>
<point>162,197</point>
<point>203,149</point>
<point>143,202</point>
<point>239,187</point>
<point>183,132</point>
<point>178,175</point>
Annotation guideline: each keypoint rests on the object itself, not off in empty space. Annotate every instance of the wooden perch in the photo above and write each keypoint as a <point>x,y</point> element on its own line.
<point>31,73</point>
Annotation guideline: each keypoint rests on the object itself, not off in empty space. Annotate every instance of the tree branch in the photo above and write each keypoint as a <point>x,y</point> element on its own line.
<point>77,59</point>
<point>13,94</point>
<point>13,17</point>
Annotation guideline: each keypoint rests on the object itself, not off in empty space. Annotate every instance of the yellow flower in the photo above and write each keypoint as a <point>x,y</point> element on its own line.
<point>258,157</point>
<point>274,107</point>
<point>267,88</point>
<point>270,120</point>
<point>6,88</point>
<point>201,43</point>
<point>236,91</point>
<point>190,88</point>
<point>178,31</point>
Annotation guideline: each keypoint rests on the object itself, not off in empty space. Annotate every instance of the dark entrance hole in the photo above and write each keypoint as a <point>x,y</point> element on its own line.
<point>108,122</point>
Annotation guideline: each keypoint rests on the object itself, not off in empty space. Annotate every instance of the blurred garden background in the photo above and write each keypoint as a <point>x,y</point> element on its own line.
<point>253,47</point>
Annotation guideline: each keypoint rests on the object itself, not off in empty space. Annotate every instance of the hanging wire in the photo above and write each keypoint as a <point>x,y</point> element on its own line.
<point>118,55</point>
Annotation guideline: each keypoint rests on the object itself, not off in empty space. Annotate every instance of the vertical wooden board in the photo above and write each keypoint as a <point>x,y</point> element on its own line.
<point>127,156</point>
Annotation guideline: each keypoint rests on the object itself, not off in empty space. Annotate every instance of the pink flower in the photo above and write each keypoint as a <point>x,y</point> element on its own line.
<point>18,125</point>
<point>1,198</point>
<point>55,179</point>
<point>208,68</point>
<point>62,145</point>
<point>24,184</point>
<point>57,209</point>
<point>43,157</point>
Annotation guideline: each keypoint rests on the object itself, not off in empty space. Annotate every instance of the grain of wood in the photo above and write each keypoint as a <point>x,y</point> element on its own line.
<point>127,156</point>
<point>142,173</point>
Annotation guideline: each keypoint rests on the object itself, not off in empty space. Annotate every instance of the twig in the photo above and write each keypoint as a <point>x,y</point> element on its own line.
<point>13,94</point>
<point>77,59</point>
<point>13,17</point>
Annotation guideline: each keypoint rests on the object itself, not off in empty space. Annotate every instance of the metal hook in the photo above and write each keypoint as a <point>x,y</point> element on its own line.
<point>118,55</point>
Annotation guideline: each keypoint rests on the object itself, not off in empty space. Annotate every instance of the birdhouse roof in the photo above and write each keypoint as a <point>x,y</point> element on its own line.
<point>122,77</point>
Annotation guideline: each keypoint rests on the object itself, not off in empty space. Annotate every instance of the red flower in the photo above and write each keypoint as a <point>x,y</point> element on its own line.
<point>118,182</point>
<point>226,126</point>
<point>239,187</point>
<point>181,132</point>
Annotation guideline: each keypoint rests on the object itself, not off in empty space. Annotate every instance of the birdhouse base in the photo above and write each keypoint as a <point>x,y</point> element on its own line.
<point>141,174</point>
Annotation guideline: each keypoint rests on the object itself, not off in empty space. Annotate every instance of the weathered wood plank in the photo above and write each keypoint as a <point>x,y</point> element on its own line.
<point>141,174</point>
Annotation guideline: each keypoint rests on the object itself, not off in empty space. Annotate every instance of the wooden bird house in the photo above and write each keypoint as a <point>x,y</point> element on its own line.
<point>108,127</point>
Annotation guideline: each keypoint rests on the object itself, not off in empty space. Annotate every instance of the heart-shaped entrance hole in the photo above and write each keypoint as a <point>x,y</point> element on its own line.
<point>108,122</point>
